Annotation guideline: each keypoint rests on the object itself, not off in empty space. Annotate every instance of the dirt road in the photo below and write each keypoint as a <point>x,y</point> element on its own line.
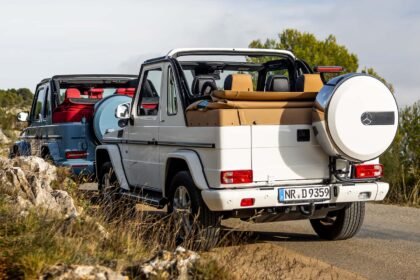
<point>387,247</point>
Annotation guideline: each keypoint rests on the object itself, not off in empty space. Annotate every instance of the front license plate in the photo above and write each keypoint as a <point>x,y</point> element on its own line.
<point>304,194</point>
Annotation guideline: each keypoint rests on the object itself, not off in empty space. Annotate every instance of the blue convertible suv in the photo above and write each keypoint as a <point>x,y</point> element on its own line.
<point>69,116</point>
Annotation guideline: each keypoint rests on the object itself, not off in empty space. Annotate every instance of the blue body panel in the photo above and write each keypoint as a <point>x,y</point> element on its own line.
<point>56,140</point>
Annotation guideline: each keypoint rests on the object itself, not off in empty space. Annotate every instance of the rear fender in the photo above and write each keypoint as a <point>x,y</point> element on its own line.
<point>22,147</point>
<point>53,150</point>
<point>194,165</point>
<point>115,157</point>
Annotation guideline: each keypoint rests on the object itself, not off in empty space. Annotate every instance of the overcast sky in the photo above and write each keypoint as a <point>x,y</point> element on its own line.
<point>42,38</point>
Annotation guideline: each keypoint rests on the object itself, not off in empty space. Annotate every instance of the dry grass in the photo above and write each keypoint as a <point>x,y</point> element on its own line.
<point>31,243</point>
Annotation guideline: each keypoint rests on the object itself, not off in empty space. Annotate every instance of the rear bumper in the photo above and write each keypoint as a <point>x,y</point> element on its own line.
<point>80,166</point>
<point>226,200</point>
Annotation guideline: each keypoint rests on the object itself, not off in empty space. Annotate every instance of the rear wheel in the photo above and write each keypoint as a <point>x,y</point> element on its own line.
<point>112,203</point>
<point>341,224</point>
<point>14,152</point>
<point>199,228</point>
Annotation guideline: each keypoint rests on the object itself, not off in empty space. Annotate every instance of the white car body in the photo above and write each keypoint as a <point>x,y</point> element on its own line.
<point>142,151</point>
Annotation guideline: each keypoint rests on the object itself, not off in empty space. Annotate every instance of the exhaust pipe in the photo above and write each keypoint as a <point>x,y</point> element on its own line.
<point>307,212</point>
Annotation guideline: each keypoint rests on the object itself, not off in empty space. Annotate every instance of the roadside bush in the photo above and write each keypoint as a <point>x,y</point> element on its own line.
<point>402,160</point>
<point>17,98</point>
<point>12,101</point>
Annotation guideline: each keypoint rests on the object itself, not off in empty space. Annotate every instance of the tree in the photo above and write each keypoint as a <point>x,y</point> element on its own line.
<point>317,52</point>
<point>402,159</point>
<point>373,73</point>
<point>26,94</point>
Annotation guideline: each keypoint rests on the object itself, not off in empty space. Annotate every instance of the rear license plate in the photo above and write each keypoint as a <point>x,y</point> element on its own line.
<point>304,194</point>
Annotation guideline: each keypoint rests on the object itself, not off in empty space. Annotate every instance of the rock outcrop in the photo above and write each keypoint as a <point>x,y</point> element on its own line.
<point>26,182</point>
<point>81,272</point>
<point>166,265</point>
<point>3,138</point>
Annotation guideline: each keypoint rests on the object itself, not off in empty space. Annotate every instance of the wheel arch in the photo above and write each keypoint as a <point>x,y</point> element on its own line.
<point>22,147</point>
<point>50,149</point>
<point>105,153</point>
<point>184,160</point>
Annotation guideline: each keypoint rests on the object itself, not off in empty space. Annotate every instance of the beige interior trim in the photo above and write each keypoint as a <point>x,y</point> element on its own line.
<point>267,105</point>
<point>236,117</point>
<point>317,115</point>
<point>228,104</point>
<point>263,95</point>
<point>289,116</point>
<point>312,83</point>
<point>218,117</point>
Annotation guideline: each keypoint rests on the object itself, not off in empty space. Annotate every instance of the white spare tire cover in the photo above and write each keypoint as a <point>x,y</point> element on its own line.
<point>355,117</point>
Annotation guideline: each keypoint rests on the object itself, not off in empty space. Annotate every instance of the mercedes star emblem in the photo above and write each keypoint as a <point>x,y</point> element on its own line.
<point>366,118</point>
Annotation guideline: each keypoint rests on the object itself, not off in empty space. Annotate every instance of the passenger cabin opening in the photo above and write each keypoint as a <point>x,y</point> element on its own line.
<point>256,91</point>
<point>75,99</point>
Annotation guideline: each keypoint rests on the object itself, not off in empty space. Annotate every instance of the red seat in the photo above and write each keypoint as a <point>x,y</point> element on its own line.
<point>130,92</point>
<point>126,91</point>
<point>71,93</point>
<point>69,111</point>
<point>96,93</point>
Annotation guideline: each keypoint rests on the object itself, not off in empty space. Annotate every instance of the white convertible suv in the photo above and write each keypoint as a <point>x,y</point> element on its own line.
<point>254,134</point>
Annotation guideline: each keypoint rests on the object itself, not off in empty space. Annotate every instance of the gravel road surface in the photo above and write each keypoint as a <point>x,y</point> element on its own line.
<point>387,247</point>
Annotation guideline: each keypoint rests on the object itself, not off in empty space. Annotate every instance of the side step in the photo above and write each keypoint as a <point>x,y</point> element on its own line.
<point>149,197</point>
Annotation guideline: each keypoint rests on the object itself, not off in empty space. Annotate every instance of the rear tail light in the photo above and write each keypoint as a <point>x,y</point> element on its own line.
<point>236,177</point>
<point>76,154</point>
<point>328,69</point>
<point>369,171</point>
<point>247,202</point>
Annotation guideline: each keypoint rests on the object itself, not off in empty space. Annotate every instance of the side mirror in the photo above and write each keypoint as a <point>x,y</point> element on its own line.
<point>123,111</point>
<point>23,116</point>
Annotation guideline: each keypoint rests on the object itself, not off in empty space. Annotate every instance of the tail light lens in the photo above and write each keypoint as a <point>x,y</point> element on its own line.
<point>369,171</point>
<point>247,202</point>
<point>76,154</point>
<point>236,177</point>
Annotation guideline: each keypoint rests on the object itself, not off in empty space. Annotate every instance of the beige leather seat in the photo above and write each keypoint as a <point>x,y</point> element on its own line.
<point>239,82</point>
<point>238,104</point>
<point>309,83</point>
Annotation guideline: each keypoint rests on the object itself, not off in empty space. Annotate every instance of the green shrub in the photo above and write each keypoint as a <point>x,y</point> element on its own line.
<point>402,162</point>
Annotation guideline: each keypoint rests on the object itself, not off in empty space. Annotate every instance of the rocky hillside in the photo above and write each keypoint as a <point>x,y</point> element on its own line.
<point>50,229</point>
<point>45,233</point>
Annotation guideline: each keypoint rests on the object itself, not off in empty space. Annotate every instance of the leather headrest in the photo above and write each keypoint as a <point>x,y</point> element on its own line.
<point>72,93</point>
<point>130,91</point>
<point>239,82</point>
<point>120,90</point>
<point>278,83</point>
<point>309,83</point>
<point>96,92</point>
<point>199,82</point>
<point>126,91</point>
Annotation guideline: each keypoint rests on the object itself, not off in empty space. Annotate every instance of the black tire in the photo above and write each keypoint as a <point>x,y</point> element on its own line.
<point>205,228</point>
<point>111,201</point>
<point>342,224</point>
<point>14,152</point>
